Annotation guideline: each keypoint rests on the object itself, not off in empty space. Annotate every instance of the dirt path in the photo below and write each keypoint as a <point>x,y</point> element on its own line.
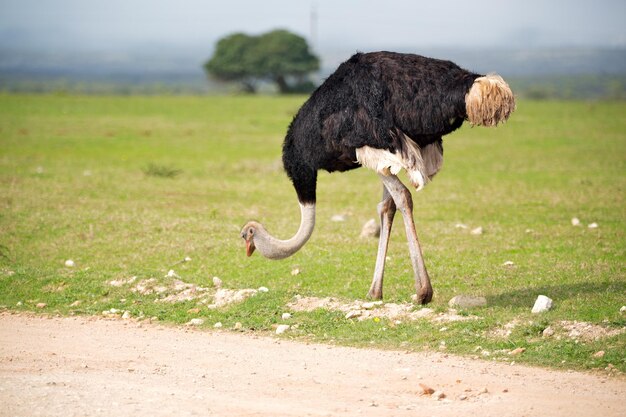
<point>93,367</point>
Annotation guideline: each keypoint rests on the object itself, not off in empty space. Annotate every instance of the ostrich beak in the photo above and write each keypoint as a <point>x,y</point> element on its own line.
<point>249,247</point>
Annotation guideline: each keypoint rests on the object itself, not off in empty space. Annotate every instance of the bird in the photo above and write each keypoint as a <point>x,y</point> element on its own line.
<point>388,112</point>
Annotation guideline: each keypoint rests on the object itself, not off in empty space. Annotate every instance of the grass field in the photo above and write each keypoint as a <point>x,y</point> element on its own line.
<point>130,186</point>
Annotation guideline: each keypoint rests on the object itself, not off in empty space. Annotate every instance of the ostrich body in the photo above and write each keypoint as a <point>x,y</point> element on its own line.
<point>385,111</point>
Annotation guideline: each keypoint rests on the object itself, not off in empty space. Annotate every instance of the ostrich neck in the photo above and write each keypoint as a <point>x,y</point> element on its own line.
<point>274,248</point>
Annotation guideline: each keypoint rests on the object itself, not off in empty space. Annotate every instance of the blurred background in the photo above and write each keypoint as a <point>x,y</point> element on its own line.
<point>545,49</point>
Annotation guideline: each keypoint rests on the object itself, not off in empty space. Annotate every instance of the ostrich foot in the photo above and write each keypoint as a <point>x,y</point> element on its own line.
<point>424,295</point>
<point>375,294</point>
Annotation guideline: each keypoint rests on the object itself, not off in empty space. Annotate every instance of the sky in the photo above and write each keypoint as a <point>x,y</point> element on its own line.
<point>365,25</point>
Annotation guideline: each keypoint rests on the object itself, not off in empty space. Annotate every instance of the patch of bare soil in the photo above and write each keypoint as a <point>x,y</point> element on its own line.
<point>85,366</point>
<point>363,310</point>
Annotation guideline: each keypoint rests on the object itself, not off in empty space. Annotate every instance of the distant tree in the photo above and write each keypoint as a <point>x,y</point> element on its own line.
<point>278,56</point>
<point>233,60</point>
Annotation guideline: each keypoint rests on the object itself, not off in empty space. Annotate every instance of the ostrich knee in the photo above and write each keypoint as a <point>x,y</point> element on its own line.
<point>386,208</point>
<point>405,203</point>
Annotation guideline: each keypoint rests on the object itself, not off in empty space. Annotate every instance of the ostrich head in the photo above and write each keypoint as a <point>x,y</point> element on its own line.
<point>247,234</point>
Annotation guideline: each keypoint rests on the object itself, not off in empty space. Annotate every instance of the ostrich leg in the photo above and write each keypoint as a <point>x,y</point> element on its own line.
<point>402,197</point>
<point>386,211</point>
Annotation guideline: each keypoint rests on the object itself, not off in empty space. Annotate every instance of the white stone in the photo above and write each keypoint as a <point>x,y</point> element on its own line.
<point>126,315</point>
<point>218,325</point>
<point>282,328</point>
<point>353,313</point>
<point>187,259</point>
<point>172,274</point>
<point>593,226</point>
<point>460,226</point>
<point>196,322</point>
<point>370,229</point>
<point>70,263</point>
<point>623,309</point>
<point>286,316</point>
<point>542,304</point>
<point>263,289</point>
<point>217,282</point>
<point>338,218</point>
<point>508,263</point>
<point>438,395</point>
<point>477,231</point>
<point>368,305</point>
<point>548,332</point>
<point>575,221</point>
<point>295,272</point>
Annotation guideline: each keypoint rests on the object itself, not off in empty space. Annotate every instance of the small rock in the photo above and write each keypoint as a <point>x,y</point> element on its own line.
<point>286,316</point>
<point>575,221</point>
<point>295,272</point>
<point>19,303</point>
<point>282,328</point>
<point>196,322</point>
<point>517,351</point>
<point>114,311</point>
<point>542,304</point>
<point>217,282</point>
<point>263,289</point>
<point>483,391</point>
<point>548,332</point>
<point>599,354</point>
<point>462,397</point>
<point>508,263</point>
<point>623,309</point>
<point>187,259</point>
<point>218,325</point>
<point>338,218</point>
<point>368,305</point>
<point>426,390</point>
<point>353,313</point>
<point>370,229</point>
<point>593,226</point>
<point>238,326</point>
<point>438,395</point>
<point>461,226</point>
<point>41,305</point>
<point>477,231</point>
<point>126,315</point>
<point>171,274</point>
<point>69,263</point>
<point>467,301</point>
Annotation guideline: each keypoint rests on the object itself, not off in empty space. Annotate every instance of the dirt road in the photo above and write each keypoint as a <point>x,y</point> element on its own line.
<point>95,367</point>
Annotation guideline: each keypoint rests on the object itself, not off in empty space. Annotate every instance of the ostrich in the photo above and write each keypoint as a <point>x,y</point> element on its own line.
<point>385,111</point>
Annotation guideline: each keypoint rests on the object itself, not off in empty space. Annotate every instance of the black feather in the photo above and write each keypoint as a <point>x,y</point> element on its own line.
<point>370,100</point>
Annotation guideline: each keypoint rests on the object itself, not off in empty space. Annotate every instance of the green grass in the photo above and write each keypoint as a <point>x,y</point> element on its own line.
<point>75,184</point>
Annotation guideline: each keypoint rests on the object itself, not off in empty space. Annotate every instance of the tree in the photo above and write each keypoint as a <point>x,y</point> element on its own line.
<point>232,60</point>
<point>278,56</point>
